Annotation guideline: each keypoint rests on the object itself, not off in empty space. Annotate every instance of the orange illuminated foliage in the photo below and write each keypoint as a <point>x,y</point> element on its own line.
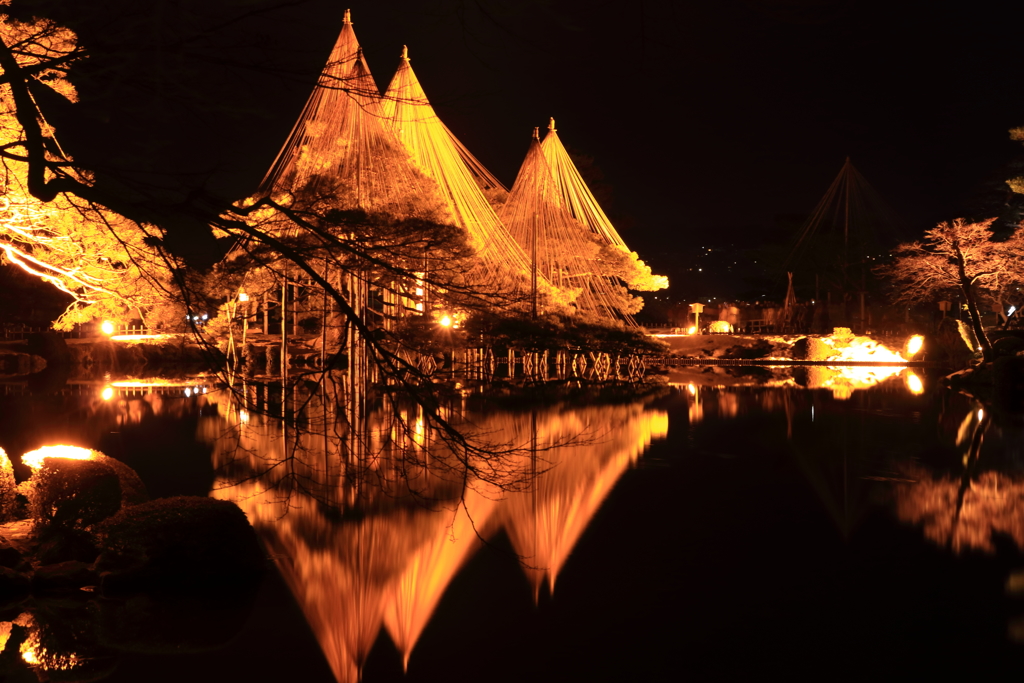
<point>959,257</point>
<point>100,259</point>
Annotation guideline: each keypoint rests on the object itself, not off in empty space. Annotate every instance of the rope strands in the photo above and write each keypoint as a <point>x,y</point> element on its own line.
<point>563,250</point>
<point>576,196</point>
<point>441,157</point>
<point>343,147</point>
<point>584,207</point>
<point>851,205</point>
<point>329,86</point>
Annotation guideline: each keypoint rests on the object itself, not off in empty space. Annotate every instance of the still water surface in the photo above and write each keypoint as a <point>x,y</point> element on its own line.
<point>724,526</point>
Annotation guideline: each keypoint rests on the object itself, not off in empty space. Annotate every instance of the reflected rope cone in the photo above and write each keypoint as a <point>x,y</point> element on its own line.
<point>385,561</point>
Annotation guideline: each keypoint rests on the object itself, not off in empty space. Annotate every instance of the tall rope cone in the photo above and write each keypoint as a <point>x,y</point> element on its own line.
<point>342,146</point>
<point>441,157</point>
<point>566,250</point>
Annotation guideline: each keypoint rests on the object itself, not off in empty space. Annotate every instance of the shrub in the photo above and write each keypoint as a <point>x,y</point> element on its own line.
<point>73,494</point>
<point>133,491</point>
<point>8,488</point>
<point>180,539</point>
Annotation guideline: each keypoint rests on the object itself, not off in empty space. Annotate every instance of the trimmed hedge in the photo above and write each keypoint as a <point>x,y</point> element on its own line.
<point>73,494</point>
<point>179,539</point>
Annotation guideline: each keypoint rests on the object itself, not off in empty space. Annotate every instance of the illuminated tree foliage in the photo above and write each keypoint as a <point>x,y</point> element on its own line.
<point>102,260</point>
<point>958,256</point>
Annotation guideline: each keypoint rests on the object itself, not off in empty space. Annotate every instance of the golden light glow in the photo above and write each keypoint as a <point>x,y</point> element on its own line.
<point>107,327</point>
<point>135,384</point>
<point>34,654</point>
<point>914,344</point>
<point>981,414</point>
<point>34,459</point>
<point>864,350</point>
<point>140,337</point>
<point>107,393</point>
<point>914,384</point>
<point>691,330</point>
<point>242,296</point>
<point>445,321</point>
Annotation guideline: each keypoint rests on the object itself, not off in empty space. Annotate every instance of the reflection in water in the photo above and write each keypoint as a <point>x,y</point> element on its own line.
<point>369,532</point>
<point>370,526</point>
<point>967,510</point>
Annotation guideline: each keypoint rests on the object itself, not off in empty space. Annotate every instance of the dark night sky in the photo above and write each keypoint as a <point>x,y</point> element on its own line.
<point>707,119</point>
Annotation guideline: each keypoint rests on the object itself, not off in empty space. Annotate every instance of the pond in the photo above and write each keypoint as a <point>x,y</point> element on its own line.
<point>734,522</point>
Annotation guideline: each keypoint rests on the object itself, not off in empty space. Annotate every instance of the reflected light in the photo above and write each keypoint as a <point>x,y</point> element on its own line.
<point>981,413</point>
<point>692,389</point>
<point>107,327</point>
<point>107,393</point>
<point>914,384</point>
<point>34,654</point>
<point>137,384</point>
<point>34,459</point>
<point>140,337</point>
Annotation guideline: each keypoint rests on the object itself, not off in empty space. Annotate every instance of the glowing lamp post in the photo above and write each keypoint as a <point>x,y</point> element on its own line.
<point>696,309</point>
<point>244,298</point>
<point>107,327</point>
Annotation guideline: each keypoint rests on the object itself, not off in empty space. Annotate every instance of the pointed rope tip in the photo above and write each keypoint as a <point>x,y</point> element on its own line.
<point>536,132</point>
<point>348,17</point>
<point>405,52</point>
<point>551,125</point>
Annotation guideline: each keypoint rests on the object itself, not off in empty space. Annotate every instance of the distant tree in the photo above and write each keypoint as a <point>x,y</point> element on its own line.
<point>958,256</point>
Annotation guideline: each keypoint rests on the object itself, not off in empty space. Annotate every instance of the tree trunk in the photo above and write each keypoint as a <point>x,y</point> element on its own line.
<point>966,286</point>
<point>979,329</point>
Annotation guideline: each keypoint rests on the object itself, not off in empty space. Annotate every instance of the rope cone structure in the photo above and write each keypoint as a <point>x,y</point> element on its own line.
<point>584,207</point>
<point>565,251</point>
<point>343,146</point>
<point>576,196</point>
<point>407,105</point>
<point>441,157</point>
